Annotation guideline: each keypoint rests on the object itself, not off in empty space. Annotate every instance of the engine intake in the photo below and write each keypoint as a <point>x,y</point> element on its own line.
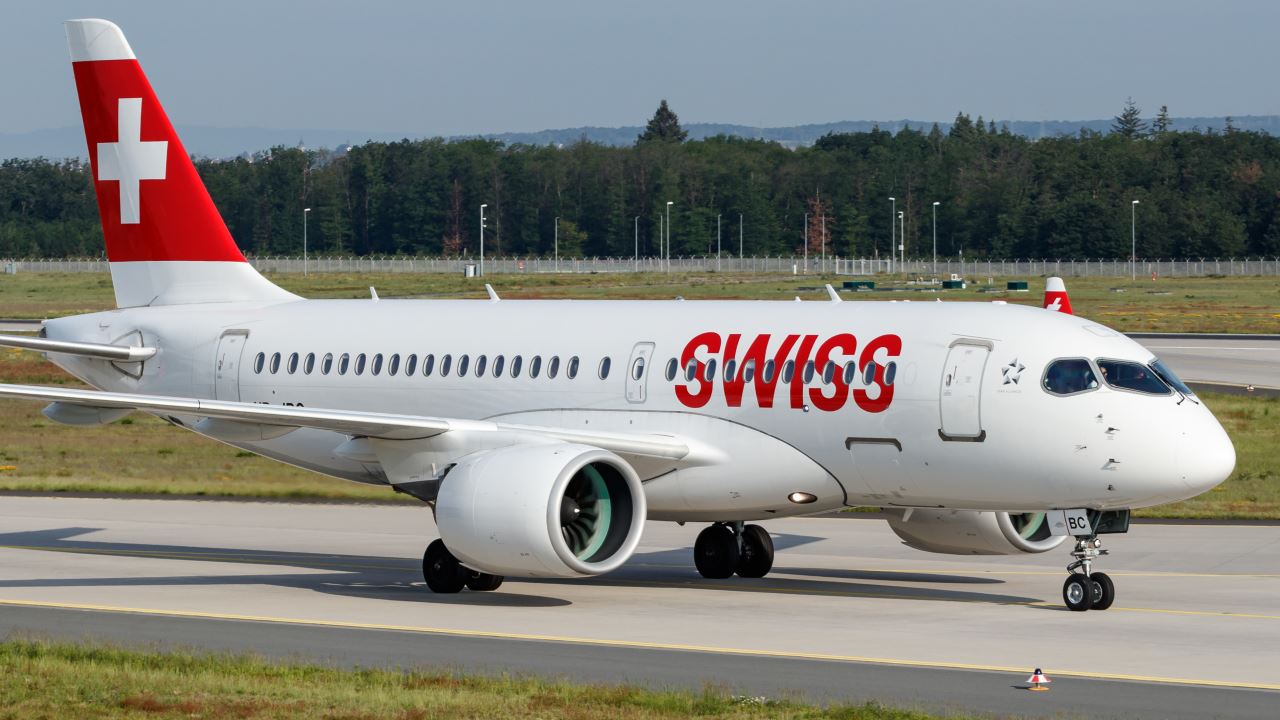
<point>973,532</point>
<point>554,510</point>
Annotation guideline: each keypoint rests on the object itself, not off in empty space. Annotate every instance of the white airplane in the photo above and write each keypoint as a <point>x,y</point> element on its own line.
<point>544,433</point>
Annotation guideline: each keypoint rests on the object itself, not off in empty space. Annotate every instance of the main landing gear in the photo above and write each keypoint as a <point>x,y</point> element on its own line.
<point>727,548</point>
<point>1087,590</point>
<point>444,574</point>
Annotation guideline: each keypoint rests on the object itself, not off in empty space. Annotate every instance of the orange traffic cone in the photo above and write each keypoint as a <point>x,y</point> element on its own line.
<point>1039,681</point>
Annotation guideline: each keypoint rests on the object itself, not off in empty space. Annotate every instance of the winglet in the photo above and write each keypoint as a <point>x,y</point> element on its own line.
<point>1055,296</point>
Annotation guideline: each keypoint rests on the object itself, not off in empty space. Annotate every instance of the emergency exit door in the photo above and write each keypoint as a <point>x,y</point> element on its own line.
<point>226,369</point>
<point>961,396</point>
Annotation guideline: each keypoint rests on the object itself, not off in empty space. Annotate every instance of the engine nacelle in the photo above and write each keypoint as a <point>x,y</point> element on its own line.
<point>973,532</point>
<point>553,510</point>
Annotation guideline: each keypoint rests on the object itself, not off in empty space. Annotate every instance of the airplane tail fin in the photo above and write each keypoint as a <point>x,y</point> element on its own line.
<point>166,242</point>
<point>1055,296</point>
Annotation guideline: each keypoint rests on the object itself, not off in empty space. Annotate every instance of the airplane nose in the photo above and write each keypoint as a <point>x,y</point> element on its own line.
<point>1205,456</point>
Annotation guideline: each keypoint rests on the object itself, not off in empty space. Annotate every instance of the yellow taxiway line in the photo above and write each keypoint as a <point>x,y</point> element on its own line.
<point>636,644</point>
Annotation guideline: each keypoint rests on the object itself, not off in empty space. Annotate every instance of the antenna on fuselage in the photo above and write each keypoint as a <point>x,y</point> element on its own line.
<point>373,294</point>
<point>493,295</point>
<point>831,293</point>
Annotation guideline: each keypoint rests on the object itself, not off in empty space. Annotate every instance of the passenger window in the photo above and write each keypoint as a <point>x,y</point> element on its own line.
<point>769,369</point>
<point>729,366</point>
<point>535,366</point>
<point>553,367</point>
<point>498,362</point>
<point>292,365</point>
<point>516,363</point>
<point>572,369</point>
<point>259,362</point>
<point>445,362</point>
<point>377,364</point>
<point>672,366</point>
<point>789,371</point>
<point>360,363</point>
<point>637,369</point>
<point>1132,376</point>
<point>428,364</point>
<point>1067,377</point>
<point>691,370</point>
<point>605,362</point>
<point>869,374</point>
<point>393,364</point>
<point>749,370</point>
<point>343,362</point>
<point>326,364</point>
<point>275,363</point>
<point>890,372</point>
<point>808,372</point>
<point>463,362</point>
<point>309,363</point>
<point>481,362</point>
<point>828,373</point>
<point>850,372</point>
<point>410,365</point>
<point>710,373</point>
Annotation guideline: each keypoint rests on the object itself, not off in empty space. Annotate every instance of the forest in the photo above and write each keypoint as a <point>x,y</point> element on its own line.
<point>999,195</point>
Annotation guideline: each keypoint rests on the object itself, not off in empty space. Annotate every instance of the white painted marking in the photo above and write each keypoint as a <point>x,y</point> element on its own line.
<point>129,160</point>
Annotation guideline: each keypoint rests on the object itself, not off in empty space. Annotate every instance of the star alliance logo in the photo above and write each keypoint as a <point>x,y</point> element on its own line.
<point>1012,372</point>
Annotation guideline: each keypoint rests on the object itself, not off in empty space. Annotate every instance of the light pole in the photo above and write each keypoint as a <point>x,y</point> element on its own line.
<point>305,212</point>
<point>806,243</point>
<point>482,207</point>
<point>557,242</point>
<point>1133,241</point>
<point>739,240</point>
<point>935,236</point>
<point>824,243</point>
<point>669,204</point>
<point>717,242</point>
<point>637,250</point>
<point>902,238</point>
<point>893,227</point>
<point>661,241</point>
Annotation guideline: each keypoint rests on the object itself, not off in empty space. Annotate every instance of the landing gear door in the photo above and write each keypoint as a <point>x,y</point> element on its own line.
<point>226,368</point>
<point>638,372</point>
<point>961,393</point>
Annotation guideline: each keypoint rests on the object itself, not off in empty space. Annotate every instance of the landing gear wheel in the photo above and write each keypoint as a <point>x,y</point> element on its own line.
<point>1104,591</point>
<point>756,557</point>
<point>715,553</point>
<point>441,569</point>
<point>1077,592</point>
<point>483,582</point>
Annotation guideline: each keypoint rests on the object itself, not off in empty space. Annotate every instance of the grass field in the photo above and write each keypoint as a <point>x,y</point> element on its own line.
<point>143,455</point>
<point>1224,304</point>
<point>95,682</point>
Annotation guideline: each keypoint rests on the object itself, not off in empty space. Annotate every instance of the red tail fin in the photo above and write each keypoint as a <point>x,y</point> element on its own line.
<point>1055,296</point>
<point>154,208</point>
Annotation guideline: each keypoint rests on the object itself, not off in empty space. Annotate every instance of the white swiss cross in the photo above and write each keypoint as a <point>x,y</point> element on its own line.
<point>129,160</point>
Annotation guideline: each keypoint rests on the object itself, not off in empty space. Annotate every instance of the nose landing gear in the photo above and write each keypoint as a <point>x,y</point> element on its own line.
<point>1087,590</point>
<point>723,549</point>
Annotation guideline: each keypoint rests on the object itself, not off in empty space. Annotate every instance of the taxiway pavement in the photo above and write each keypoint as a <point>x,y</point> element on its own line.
<point>1219,359</point>
<point>848,613</point>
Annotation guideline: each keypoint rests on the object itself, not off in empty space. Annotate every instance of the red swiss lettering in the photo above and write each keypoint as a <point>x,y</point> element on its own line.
<point>711,342</point>
<point>847,345</point>
<point>892,346</point>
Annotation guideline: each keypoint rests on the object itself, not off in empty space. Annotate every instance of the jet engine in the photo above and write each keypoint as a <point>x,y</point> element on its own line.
<point>973,532</point>
<point>547,510</point>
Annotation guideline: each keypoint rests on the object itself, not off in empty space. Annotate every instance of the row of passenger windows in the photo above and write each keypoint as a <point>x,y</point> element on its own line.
<point>408,365</point>
<point>1076,375</point>
<point>848,372</point>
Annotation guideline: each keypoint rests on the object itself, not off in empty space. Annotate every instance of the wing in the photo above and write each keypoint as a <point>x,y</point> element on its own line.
<point>362,424</point>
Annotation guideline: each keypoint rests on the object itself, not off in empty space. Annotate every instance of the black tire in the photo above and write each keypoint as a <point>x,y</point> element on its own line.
<point>1077,592</point>
<point>441,569</point>
<point>756,557</point>
<point>715,553</point>
<point>1104,591</point>
<point>484,582</point>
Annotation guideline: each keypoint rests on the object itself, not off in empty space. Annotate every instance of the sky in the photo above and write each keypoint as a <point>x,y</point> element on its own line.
<point>456,68</point>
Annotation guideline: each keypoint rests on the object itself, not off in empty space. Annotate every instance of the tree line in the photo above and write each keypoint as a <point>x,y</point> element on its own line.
<point>1201,194</point>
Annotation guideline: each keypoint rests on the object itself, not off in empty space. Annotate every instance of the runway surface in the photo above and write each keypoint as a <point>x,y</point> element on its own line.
<point>1218,359</point>
<point>847,614</point>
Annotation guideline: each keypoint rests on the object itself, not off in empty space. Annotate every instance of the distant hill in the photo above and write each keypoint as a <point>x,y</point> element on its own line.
<point>218,142</point>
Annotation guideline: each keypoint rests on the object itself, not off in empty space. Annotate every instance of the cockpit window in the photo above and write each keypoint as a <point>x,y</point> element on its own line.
<point>1132,376</point>
<point>1069,376</point>
<point>1163,372</point>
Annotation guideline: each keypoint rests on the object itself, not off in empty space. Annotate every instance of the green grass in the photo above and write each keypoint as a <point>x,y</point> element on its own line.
<point>43,680</point>
<point>1224,304</point>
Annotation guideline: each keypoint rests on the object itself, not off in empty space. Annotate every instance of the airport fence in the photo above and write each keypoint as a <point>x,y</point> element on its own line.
<point>786,265</point>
